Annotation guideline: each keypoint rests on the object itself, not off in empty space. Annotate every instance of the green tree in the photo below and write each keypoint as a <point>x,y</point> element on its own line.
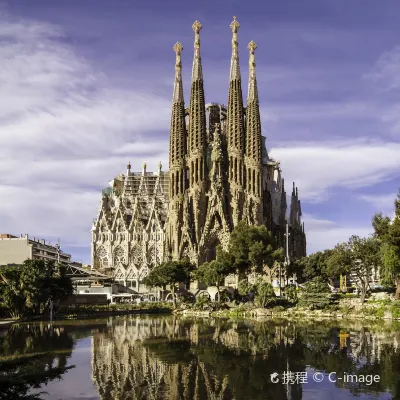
<point>387,232</point>
<point>246,289</point>
<point>264,293</point>
<point>27,289</point>
<point>315,294</point>
<point>170,273</point>
<point>213,274</point>
<point>316,264</point>
<point>253,248</point>
<point>359,256</point>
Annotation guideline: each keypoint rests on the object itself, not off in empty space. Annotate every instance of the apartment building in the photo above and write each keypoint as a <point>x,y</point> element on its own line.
<point>15,250</point>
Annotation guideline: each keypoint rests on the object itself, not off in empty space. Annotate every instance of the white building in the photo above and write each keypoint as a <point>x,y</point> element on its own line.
<point>15,250</point>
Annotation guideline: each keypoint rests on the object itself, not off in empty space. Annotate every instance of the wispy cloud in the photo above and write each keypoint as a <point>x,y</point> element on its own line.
<point>382,202</point>
<point>69,123</point>
<point>64,133</point>
<point>318,168</point>
<point>325,234</point>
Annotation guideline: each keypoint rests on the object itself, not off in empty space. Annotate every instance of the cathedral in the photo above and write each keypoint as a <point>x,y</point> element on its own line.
<point>220,173</point>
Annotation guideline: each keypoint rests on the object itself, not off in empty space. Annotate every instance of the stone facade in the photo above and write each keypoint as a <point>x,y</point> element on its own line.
<point>220,173</point>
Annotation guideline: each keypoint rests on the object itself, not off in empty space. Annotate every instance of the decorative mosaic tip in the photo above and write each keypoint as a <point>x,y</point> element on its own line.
<point>252,46</point>
<point>129,165</point>
<point>178,48</point>
<point>197,26</point>
<point>144,165</point>
<point>234,25</point>
<point>159,165</point>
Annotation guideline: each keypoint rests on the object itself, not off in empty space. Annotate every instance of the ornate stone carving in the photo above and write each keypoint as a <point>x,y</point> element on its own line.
<point>220,173</point>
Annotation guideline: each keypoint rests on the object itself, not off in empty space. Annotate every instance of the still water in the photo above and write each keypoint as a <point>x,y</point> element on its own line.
<point>171,358</point>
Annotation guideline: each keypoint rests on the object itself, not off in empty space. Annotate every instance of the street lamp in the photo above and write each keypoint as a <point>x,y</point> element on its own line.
<point>58,249</point>
<point>287,261</point>
<point>155,244</point>
<point>155,252</point>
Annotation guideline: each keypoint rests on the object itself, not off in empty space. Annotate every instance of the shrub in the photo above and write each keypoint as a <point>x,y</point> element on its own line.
<point>395,309</point>
<point>264,293</point>
<point>202,302</point>
<point>291,293</point>
<point>246,290</point>
<point>316,295</point>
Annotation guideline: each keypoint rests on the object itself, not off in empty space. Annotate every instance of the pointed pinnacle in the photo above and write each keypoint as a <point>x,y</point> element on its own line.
<point>234,25</point>
<point>178,48</point>
<point>252,46</point>
<point>196,26</point>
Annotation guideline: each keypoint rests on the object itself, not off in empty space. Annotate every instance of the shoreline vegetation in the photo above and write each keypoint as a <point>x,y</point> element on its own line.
<point>346,309</point>
<point>318,285</point>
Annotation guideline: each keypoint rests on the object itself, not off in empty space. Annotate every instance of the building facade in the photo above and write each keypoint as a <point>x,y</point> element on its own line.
<point>15,250</point>
<point>220,173</point>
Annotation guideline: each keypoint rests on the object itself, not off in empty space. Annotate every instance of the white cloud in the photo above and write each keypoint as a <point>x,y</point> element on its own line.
<point>64,134</point>
<point>319,167</point>
<point>385,72</point>
<point>325,234</point>
<point>382,202</point>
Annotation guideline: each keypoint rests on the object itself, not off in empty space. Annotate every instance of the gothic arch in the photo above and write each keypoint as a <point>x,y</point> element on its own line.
<point>136,255</point>
<point>143,272</point>
<point>102,257</point>
<point>119,256</point>
<point>119,274</point>
<point>132,273</point>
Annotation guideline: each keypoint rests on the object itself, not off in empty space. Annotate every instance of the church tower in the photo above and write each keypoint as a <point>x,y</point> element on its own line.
<point>235,132</point>
<point>253,157</point>
<point>197,137</point>
<point>220,173</point>
<point>177,162</point>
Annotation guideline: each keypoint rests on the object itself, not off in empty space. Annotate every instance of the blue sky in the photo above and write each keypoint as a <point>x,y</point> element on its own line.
<point>86,86</point>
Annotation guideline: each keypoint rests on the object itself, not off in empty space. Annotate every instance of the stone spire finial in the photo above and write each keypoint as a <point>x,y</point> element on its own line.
<point>252,94</point>
<point>197,70</point>
<point>294,189</point>
<point>178,89</point>
<point>234,25</point>
<point>128,168</point>
<point>235,68</point>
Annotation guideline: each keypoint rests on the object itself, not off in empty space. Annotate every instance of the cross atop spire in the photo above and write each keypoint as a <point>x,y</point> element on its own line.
<point>234,25</point>
<point>197,71</point>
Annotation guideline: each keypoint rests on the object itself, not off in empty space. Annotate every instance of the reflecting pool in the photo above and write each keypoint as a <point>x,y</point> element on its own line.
<point>147,357</point>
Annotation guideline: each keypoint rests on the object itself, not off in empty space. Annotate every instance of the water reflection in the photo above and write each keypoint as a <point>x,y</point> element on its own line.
<point>170,358</point>
<point>31,356</point>
<point>212,359</point>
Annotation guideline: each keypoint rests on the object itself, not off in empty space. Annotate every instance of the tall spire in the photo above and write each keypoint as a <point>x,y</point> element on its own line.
<point>252,94</point>
<point>177,150</point>
<point>178,89</point>
<point>235,114</point>
<point>197,70</point>
<point>253,120</point>
<point>235,67</point>
<point>197,109</point>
